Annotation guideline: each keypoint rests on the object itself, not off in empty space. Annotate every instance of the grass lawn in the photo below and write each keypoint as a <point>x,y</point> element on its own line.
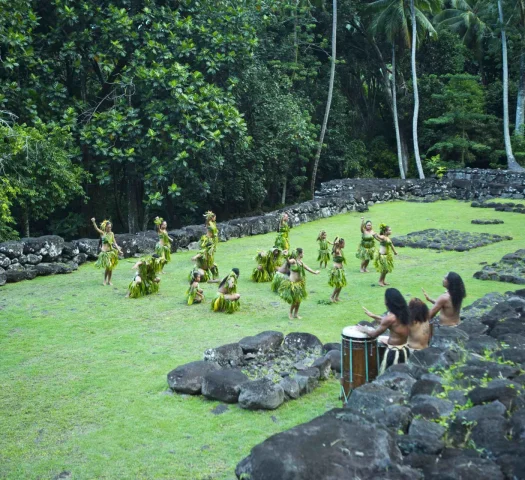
<point>83,370</point>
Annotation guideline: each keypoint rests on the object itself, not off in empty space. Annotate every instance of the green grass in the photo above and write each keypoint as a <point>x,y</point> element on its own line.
<point>83,370</point>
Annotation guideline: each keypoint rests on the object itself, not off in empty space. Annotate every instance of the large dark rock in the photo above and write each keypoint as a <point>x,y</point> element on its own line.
<point>4,261</point>
<point>501,311</point>
<point>462,466</point>
<point>372,396</point>
<point>32,259</point>
<point>261,394</point>
<point>223,385</point>
<point>502,390</point>
<point>146,241</point>
<point>229,355</point>
<point>424,428</point>
<point>3,277</point>
<point>302,341</point>
<point>426,387</point>
<point>290,387</point>
<point>70,250</point>
<point>447,337</point>
<point>262,343</point>
<point>395,417</point>
<point>12,249</point>
<point>434,357</point>
<point>49,246</point>
<point>328,347</point>
<point>128,243</point>
<point>89,246</point>
<point>44,269</point>
<point>17,273</point>
<point>481,343</point>
<point>516,355</point>
<point>333,446</point>
<point>473,328</point>
<point>398,381</point>
<point>307,379</point>
<point>324,366</point>
<point>188,378</point>
<point>419,444</point>
<point>335,360</point>
<point>430,407</point>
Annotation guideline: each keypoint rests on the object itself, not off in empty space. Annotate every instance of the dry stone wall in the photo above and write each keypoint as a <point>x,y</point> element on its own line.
<point>31,257</point>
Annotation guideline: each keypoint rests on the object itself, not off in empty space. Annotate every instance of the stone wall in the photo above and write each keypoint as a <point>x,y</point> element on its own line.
<point>30,257</point>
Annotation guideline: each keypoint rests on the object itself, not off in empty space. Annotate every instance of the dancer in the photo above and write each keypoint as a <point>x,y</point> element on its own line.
<point>419,329</point>
<point>267,263</point>
<point>146,280</point>
<point>324,253</point>
<point>283,272</point>
<point>384,261</point>
<point>337,274</point>
<point>108,256</point>
<point>211,225</point>
<point>163,247</point>
<point>194,294</point>
<point>205,259</point>
<point>282,240</point>
<point>397,320</point>
<point>367,248</point>
<point>293,289</point>
<point>227,299</point>
<point>448,305</point>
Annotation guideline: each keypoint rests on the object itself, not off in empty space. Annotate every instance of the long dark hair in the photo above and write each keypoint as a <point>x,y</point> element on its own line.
<point>418,311</point>
<point>225,279</point>
<point>397,305</point>
<point>457,291</point>
<point>194,275</point>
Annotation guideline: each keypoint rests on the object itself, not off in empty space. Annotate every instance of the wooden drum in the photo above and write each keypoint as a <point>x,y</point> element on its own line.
<point>359,360</point>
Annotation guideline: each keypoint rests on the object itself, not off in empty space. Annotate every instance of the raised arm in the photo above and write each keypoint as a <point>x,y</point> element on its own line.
<point>96,226</point>
<point>386,322</point>
<point>427,297</point>
<point>372,315</point>
<point>362,224</point>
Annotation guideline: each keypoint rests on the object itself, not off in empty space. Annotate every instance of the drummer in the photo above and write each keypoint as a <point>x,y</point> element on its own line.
<point>397,320</point>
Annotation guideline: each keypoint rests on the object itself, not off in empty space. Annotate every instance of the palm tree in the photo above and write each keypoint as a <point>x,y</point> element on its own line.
<point>392,20</point>
<point>329,99</point>
<point>511,161</point>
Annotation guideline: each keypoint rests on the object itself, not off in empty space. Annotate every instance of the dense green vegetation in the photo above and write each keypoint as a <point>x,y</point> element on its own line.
<point>83,377</point>
<point>129,108</point>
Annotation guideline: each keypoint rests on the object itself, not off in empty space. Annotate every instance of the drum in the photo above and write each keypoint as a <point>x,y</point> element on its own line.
<point>359,360</point>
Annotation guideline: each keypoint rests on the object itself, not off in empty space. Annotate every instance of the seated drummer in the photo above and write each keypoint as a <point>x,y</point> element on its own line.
<point>420,329</point>
<point>397,320</point>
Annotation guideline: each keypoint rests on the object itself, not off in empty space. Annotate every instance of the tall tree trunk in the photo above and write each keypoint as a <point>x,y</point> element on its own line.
<point>145,219</point>
<point>131,190</point>
<point>329,100</point>
<point>283,195</point>
<point>396,121</point>
<point>416,93</point>
<point>511,161</point>
<point>520,103</point>
<point>25,218</point>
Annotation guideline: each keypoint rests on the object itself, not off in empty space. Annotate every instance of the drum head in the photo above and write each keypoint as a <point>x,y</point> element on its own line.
<point>353,332</point>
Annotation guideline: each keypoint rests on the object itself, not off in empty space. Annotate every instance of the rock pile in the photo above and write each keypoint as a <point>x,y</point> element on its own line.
<point>447,240</point>
<point>511,269</point>
<point>455,411</point>
<point>492,221</point>
<point>501,207</point>
<point>259,372</point>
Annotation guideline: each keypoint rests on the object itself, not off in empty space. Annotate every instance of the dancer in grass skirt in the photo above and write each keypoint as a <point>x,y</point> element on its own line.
<point>337,274</point>
<point>227,299</point>
<point>146,280</point>
<point>293,289</point>
<point>108,256</point>
<point>282,240</point>
<point>324,252</point>
<point>205,259</point>
<point>194,294</point>
<point>283,272</point>
<point>211,225</point>
<point>267,264</point>
<point>384,260</point>
<point>367,248</point>
<point>163,246</point>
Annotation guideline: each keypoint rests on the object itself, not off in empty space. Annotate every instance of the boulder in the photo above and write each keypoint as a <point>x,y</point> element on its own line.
<point>4,261</point>
<point>307,379</point>
<point>395,417</point>
<point>481,343</point>
<point>12,249</point>
<point>419,444</point>
<point>372,396</point>
<point>303,341</point>
<point>328,447</point>
<point>502,390</point>
<point>430,407</point>
<point>424,428</point>
<point>145,242</point>
<point>188,378</point>
<point>328,347</point>
<point>426,387</point>
<point>434,357</point>
<point>229,355</point>
<point>44,269</point>
<point>70,250</point>
<point>128,243</point>
<point>473,327</point>
<point>89,246</point>
<point>335,360</point>
<point>48,246</point>
<point>398,381</point>
<point>33,259</point>
<point>463,466</point>
<point>80,258</point>
<point>223,384</point>
<point>517,424</point>
<point>262,343</point>
<point>262,394</point>
<point>516,355</point>
<point>447,337</point>
<point>290,387</point>
<point>324,366</point>
<point>3,277</point>
<point>17,273</point>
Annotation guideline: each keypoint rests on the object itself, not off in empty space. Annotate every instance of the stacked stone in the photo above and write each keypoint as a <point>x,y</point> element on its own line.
<point>456,410</point>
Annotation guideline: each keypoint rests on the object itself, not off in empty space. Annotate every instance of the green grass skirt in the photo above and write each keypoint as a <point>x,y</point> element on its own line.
<point>384,263</point>
<point>107,260</point>
<point>293,292</point>
<point>282,242</point>
<point>191,295</point>
<point>143,288</point>
<point>261,276</point>
<point>204,277</point>
<point>277,279</point>
<point>364,253</point>
<point>337,278</point>
<point>163,251</point>
<point>221,304</point>
<point>324,256</point>
<point>214,271</point>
